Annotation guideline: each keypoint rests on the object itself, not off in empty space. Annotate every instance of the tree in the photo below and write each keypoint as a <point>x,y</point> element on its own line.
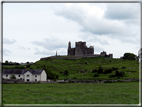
<point>6,61</point>
<point>100,70</point>
<point>66,72</point>
<point>129,56</point>
<point>12,76</point>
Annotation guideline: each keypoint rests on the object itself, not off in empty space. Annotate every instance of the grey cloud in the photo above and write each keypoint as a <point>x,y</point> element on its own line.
<point>122,11</point>
<point>98,49</point>
<point>21,47</point>
<point>8,41</point>
<point>6,52</point>
<point>44,52</point>
<point>51,43</point>
<point>93,38</point>
<point>100,26</point>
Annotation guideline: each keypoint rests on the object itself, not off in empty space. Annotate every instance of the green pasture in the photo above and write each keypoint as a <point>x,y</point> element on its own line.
<point>71,93</point>
<point>74,66</point>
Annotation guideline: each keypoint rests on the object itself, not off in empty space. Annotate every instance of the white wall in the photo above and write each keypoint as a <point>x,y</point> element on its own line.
<point>43,76</point>
<point>4,76</point>
<point>30,76</point>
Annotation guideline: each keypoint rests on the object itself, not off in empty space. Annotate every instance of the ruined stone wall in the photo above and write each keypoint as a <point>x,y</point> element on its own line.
<point>71,51</point>
<point>90,51</point>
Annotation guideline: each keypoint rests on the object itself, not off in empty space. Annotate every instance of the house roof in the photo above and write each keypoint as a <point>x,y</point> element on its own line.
<point>21,71</point>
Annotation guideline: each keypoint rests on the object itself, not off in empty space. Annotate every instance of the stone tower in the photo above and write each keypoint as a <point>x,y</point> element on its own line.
<point>69,46</point>
<point>80,49</point>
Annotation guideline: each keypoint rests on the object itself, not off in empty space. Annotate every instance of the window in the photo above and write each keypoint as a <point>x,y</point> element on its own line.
<point>27,75</point>
<point>35,79</point>
<point>6,75</point>
<point>20,78</point>
<point>35,75</point>
<point>27,79</point>
<point>19,75</point>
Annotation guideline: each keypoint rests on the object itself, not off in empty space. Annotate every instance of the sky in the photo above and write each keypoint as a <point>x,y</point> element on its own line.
<point>35,30</point>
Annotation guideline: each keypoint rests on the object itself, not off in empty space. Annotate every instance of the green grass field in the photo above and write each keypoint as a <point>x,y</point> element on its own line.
<point>74,66</point>
<point>71,93</point>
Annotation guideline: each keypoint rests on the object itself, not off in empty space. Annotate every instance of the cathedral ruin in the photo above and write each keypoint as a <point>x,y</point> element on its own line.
<point>80,49</point>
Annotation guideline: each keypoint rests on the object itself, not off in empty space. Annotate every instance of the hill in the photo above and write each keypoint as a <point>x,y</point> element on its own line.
<point>96,68</point>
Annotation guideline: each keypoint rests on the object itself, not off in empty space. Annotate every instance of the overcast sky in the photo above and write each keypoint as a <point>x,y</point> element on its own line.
<point>35,30</point>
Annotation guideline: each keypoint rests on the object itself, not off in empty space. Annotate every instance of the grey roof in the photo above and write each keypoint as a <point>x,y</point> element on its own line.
<point>21,71</point>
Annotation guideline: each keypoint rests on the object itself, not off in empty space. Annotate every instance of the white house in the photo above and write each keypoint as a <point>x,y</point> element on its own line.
<point>25,74</point>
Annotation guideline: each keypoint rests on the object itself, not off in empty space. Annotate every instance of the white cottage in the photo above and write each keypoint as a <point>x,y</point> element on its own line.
<point>26,74</point>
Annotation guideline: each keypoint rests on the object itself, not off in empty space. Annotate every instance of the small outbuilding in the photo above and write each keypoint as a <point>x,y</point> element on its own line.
<point>26,75</point>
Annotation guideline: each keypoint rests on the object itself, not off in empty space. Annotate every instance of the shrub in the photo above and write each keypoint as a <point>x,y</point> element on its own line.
<point>114,68</point>
<point>96,75</point>
<point>66,72</point>
<point>119,74</point>
<point>51,75</point>
<point>94,70</point>
<point>12,76</point>
<point>123,67</point>
<point>100,70</point>
<point>109,70</point>
<point>129,56</point>
<point>111,76</point>
<point>28,66</point>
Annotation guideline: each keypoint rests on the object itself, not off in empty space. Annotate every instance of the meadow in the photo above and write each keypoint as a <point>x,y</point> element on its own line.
<point>82,69</point>
<point>71,93</point>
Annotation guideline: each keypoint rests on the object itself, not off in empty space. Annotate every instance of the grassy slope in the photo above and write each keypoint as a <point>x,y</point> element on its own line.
<point>73,93</point>
<point>74,66</point>
<point>58,66</point>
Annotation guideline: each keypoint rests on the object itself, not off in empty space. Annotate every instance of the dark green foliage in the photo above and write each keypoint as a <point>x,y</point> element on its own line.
<point>119,74</point>
<point>129,56</point>
<point>66,72</point>
<point>123,67</point>
<point>109,70</point>
<point>111,76</point>
<point>96,75</point>
<point>51,75</point>
<point>19,67</point>
<point>28,66</point>
<point>12,76</point>
<point>6,61</point>
<point>94,70</point>
<point>114,68</point>
<point>100,70</point>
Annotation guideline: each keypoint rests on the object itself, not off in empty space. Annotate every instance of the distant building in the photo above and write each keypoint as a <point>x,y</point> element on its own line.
<point>25,74</point>
<point>80,49</point>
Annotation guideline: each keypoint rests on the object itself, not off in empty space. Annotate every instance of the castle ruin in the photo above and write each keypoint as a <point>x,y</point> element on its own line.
<point>80,49</point>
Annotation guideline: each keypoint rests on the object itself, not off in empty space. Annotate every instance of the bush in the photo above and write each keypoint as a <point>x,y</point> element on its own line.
<point>129,56</point>
<point>96,75</point>
<point>94,70</point>
<point>111,76</point>
<point>123,67</point>
<point>28,66</point>
<point>119,74</point>
<point>109,70</point>
<point>66,72</point>
<point>100,70</point>
<point>114,68</point>
<point>51,75</point>
<point>12,76</point>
